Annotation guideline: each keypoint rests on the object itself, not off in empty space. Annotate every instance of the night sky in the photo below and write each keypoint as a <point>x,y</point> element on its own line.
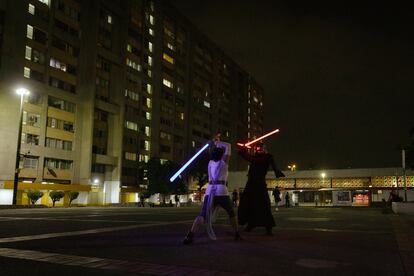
<point>338,78</point>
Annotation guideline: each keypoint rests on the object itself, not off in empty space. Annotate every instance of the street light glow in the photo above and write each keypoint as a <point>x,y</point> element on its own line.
<point>22,91</point>
<point>323,175</point>
<point>292,167</point>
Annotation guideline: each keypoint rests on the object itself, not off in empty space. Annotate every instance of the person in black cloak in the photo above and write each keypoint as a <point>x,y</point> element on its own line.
<point>254,205</point>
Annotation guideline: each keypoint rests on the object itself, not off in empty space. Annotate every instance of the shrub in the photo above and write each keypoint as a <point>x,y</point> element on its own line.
<point>56,196</point>
<point>73,196</point>
<point>34,196</point>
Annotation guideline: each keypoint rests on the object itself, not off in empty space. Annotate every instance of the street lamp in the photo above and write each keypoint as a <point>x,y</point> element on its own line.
<point>323,178</point>
<point>292,167</point>
<point>22,92</point>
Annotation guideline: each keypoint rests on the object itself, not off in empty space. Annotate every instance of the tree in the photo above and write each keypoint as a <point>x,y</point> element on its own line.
<point>73,196</point>
<point>34,196</point>
<point>158,176</point>
<point>56,196</point>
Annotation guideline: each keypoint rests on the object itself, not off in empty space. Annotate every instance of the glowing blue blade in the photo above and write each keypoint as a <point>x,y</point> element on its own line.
<point>188,163</point>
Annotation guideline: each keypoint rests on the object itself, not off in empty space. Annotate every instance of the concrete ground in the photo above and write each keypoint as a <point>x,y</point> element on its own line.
<point>147,241</point>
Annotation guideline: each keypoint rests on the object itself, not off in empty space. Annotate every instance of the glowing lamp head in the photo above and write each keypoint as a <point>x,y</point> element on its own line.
<point>96,181</point>
<point>22,91</point>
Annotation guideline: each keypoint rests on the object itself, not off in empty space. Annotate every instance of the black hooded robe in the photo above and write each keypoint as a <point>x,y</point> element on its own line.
<point>254,206</point>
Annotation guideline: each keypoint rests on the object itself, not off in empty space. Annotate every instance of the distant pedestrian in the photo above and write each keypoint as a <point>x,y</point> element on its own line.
<point>287,200</point>
<point>142,199</point>
<point>235,197</point>
<point>276,196</point>
<point>394,197</point>
<point>177,201</point>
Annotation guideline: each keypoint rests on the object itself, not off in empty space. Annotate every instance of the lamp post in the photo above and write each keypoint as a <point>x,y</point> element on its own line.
<point>22,92</point>
<point>404,175</point>
<point>323,178</point>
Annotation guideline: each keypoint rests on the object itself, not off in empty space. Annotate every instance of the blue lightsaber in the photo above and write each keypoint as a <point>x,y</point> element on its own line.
<point>188,163</point>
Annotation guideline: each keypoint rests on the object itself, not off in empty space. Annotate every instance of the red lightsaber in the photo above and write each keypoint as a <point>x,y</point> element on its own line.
<point>258,139</point>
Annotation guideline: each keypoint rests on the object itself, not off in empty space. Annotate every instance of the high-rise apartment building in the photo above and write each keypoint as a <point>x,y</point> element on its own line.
<point>112,83</point>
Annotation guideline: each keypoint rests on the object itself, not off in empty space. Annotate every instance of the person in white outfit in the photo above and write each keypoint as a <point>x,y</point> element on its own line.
<point>216,193</point>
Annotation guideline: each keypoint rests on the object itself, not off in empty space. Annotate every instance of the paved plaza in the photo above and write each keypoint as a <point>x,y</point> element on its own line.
<point>147,241</point>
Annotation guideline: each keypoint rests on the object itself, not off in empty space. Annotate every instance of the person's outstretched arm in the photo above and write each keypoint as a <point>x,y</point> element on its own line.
<point>278,173</point>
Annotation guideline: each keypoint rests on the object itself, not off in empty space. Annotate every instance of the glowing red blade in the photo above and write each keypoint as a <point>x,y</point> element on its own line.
<point>262,137</point>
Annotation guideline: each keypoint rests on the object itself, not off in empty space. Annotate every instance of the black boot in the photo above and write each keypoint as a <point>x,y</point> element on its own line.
<point>188,238</point>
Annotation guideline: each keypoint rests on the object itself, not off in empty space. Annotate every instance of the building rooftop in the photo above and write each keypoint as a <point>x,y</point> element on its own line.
<point>339,173</point>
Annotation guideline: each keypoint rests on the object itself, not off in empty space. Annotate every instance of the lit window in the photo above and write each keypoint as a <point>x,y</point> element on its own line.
<point>147,131</point>
<point>149,73</point>
<point>151,31</point>
<point>131,156</point>
<point>57,64</point>
<point>170,46</point>
<point>151,19</point>
<point>168,58</point>
<point>109,19</point>
<point>193,144</point>
<point>146,158</point>
<point>31,9</point>
<point>26,72</point>
<point>129,48</point>
<point>28,54</point>
<point>206,104</point>
<point>47,2</point>
<point>134,65</point>
<point>149,88</point>
<point>148,102</point>
<point>29,33</point>
<point>132,95</point>
<point>149,60</point>
<point>182,115</point>
<point>147,145</point>
<point>131,125</point>
<point>167,83</point>
<point>148,115</point>
<point>255,99</point>
<point>150,47</point>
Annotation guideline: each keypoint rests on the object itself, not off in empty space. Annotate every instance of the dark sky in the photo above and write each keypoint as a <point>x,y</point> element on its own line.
<point>338,76</point>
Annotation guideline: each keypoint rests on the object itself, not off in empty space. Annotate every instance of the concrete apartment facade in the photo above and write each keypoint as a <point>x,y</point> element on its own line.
<point>111,83</point>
